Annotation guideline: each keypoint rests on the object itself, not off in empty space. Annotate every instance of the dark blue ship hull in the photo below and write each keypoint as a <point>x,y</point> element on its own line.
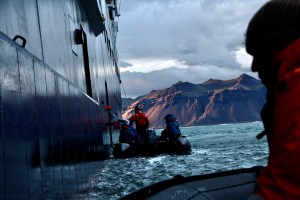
<point>58,69</point>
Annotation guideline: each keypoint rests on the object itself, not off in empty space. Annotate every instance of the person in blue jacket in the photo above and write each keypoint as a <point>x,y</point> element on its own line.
<point>127,134</point>
<point>172,130</point>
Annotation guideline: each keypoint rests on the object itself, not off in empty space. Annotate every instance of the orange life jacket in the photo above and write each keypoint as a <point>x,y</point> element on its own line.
<point>141,120</point>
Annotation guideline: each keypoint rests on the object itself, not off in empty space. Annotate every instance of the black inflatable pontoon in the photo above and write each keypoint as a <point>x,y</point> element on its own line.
<point>233,184</point>
<point>154,146</point>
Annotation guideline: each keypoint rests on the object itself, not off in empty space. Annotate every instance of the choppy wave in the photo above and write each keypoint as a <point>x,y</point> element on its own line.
<point>214,148</point>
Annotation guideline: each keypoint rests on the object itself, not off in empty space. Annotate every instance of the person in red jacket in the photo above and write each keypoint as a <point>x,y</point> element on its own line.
<point>273,39</point>
<point>141,123</point>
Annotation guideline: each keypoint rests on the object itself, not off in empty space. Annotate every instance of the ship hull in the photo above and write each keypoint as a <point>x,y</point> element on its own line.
<point>54,88</point>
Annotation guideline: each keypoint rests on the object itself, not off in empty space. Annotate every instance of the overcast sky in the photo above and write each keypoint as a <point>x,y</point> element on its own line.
<point>161,42</point>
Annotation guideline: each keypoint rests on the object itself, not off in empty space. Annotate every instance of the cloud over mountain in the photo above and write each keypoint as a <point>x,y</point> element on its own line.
<point>194,34</point>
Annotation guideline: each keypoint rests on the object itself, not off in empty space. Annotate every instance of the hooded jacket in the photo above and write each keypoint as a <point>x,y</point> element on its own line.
<point>172,129</point>
<point>281,178</point>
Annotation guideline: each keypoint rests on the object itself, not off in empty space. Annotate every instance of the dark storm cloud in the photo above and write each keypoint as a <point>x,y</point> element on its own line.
<point>197,32</point>
<point>194,32</point>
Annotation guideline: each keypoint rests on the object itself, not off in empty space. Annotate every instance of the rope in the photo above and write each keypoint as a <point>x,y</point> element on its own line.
<point>125,94</point>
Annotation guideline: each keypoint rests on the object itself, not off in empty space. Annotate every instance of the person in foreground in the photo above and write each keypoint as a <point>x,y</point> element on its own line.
<point>273,39</point>
<point>141,123</point>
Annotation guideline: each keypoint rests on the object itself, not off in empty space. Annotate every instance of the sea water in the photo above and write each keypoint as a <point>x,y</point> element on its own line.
<point>214,148</point>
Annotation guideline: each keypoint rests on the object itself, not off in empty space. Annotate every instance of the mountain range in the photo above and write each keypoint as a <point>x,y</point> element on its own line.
<point>211,102</point>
